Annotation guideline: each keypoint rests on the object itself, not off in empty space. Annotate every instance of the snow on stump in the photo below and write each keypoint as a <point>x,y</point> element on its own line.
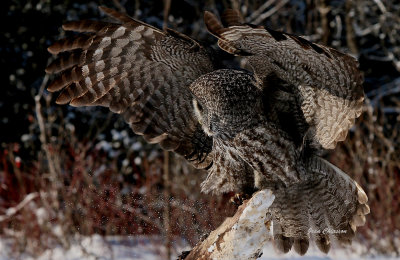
<point>241,236</point>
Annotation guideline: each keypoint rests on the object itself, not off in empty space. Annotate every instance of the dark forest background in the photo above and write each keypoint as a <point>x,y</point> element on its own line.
<point>67,171</point>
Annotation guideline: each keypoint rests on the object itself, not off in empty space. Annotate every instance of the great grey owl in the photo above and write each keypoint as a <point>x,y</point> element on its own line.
<point>250,130</point>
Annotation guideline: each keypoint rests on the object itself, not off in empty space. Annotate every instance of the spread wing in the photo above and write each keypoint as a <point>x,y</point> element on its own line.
<point>325,82</point>
<point>140,72</point>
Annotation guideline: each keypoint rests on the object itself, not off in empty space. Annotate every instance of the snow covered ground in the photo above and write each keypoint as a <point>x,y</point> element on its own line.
<point>97,247</point>
<point>151,248</point>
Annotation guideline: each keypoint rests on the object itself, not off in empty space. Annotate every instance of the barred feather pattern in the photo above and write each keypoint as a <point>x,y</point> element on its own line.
<point>140,72</point>
<point>327,207</point>
<point>327,82</point>
<point>269,151</point>
<point>228,173</point>
<point>314,200</point>
<point>283,108</point>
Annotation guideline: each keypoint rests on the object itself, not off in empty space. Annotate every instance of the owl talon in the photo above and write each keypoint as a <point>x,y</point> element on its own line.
<point>183,255</point>
<point>239,198</point>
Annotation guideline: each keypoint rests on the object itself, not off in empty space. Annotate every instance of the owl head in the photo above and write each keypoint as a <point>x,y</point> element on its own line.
<point>226,102</point>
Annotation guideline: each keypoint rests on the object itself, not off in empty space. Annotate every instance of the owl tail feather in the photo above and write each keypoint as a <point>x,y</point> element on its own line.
<point>327,207</point>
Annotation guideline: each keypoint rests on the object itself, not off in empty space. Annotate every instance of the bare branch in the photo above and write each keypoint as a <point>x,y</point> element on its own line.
<point>167,7</point>
<point>12,211</point>
<point>350,34</point>
<point>241,236</point>
<point>258,12</point>
<point>42,127</point>
<point>390,88</point>
<point>270,12</point>
<point>381,6</point>
<point>167,206</point>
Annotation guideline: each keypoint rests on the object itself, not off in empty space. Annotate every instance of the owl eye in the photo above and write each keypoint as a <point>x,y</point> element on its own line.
<point>198,106</point>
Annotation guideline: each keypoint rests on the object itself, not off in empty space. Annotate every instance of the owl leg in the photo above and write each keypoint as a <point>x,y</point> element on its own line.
<point>228,173</point>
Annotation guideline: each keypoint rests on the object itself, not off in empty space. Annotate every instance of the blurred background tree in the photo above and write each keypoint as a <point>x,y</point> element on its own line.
<point>67,171</point>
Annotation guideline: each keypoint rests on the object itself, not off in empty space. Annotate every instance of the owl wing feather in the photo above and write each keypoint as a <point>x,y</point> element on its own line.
<point>326,82</point>
<point>140,72</point>
<point>313,200</point>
